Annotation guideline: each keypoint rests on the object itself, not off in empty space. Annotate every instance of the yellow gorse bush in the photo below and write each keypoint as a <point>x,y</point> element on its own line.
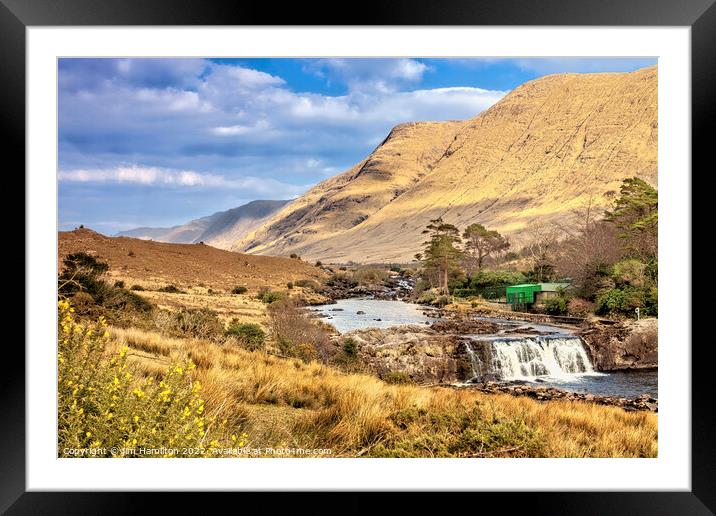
<point>104,408</point>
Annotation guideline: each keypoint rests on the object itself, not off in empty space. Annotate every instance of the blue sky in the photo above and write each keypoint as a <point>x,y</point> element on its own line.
<point>157,142</point>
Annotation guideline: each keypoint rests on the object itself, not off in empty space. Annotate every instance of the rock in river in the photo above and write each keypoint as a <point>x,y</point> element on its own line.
<point>424,354</point>
<point>626,345</point>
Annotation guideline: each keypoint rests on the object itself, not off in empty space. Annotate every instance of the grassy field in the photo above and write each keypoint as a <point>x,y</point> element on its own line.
<point>287,403</point>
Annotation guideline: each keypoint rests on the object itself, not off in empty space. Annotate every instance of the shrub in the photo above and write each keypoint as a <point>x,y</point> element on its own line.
<point>239,290</point>
<point>118,301</point>
<point>428,297</point>
<point>298,336</point>
<point>350,348</point>
<point>104,406</point>
<point>487,278</point>
<point>269,296</point>
<point>131,254</point>
<point>369,275</point>
<point>250,336</point>
<point>319,263</point>
<point>199,323</point>
<point>580,307</point>
<point>434,298</point>
<point>630,272</point>
<point>289,285</point>
<point>295,256</point>
<point>119,284</point>
<point>84,304</point>
<point>556,305</point>
<point>171,289</point>
<point>442,301</point>
<point>397,377</point>
<point>307,283</point>
<point>625,300</point>
<point>85,274</point>
<point>619,300</point>
<point>136,287</point>
<point>82,272</point>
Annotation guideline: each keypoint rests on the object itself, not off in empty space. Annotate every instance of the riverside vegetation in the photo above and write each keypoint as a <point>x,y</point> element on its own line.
<point>610,262</point>
<point>135,374</point>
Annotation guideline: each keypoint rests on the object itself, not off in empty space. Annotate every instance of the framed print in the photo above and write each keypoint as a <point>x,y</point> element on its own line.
<point>418,253</point>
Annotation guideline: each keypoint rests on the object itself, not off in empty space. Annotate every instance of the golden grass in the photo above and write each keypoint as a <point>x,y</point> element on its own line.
<point>285,402</point>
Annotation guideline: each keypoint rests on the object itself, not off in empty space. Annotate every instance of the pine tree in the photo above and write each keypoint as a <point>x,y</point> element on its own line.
<point>635,214</point>
<point>480,243</point>
<point>441,252</point>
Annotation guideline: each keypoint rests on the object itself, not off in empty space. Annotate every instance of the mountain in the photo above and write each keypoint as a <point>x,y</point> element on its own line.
<point>548,147</point>
<point>220,230</point>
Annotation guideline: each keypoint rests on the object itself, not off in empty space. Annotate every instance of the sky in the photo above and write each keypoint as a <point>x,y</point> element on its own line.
<point>158,142</point>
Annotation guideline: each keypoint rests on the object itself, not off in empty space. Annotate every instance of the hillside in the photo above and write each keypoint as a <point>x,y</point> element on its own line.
<point>220,230</point>
<point>156,264</point>
<point>545,149</point>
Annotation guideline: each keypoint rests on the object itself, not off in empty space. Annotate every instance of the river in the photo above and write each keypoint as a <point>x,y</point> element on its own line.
<point>556,358</point>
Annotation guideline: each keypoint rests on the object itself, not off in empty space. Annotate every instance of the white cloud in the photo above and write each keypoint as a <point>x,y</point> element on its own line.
<point>154,176</point>
<point>370,75</point>
<point>238,130</point>
<point>226,132</point>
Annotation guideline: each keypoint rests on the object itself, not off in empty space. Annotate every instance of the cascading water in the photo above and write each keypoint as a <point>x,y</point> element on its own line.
<point>527,358</point>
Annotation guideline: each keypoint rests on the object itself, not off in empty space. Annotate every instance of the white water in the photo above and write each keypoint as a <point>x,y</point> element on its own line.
<point>563,360</point>
<point>527,358</point>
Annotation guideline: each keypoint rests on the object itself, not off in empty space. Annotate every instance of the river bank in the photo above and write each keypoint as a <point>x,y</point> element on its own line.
<point>491,354</point>
<point>640,402</point>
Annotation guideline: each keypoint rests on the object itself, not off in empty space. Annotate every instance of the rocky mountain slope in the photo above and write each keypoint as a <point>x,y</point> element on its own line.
<point>545,149</point>
<point>220,230</point>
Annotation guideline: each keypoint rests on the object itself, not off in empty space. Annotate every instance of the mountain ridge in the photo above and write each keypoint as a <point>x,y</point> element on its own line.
<point>220,229</point>
<point>548,147</point>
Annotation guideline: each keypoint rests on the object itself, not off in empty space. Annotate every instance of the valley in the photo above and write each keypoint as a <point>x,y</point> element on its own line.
<point>484,287</point>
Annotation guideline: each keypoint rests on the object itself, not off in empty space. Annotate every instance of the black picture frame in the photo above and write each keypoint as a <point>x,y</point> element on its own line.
<point>700,15</point>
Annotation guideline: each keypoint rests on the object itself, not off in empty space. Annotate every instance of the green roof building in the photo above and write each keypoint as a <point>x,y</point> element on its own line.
<point>531,293</point>
<point>522,294</point>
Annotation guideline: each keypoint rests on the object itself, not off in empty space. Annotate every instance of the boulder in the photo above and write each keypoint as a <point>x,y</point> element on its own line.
<point>626,345</point>
<point>424,354</point>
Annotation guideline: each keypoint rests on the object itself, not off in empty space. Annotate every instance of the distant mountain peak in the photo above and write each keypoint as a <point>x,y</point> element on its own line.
<point>220,229</point>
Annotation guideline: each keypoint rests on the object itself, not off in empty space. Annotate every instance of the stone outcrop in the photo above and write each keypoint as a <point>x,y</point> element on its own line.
<point>424,354</point>
<point>622,346</point>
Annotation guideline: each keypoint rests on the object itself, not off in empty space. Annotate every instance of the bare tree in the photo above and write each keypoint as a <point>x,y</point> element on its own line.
<point>588,243</point>
<point>541,251</point>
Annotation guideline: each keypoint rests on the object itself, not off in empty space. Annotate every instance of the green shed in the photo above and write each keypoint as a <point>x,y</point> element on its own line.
<point>522,294</point>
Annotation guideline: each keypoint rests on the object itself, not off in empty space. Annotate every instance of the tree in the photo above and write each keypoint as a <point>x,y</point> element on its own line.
<point>635,214</point>
<point>480,243</point>
<point>587,251</point>
<point>441,253</point>
<point>82,272</point>
<point>541,251</point>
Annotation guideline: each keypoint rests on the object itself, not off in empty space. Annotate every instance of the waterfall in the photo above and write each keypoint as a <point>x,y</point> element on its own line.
<point>529,357</point>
